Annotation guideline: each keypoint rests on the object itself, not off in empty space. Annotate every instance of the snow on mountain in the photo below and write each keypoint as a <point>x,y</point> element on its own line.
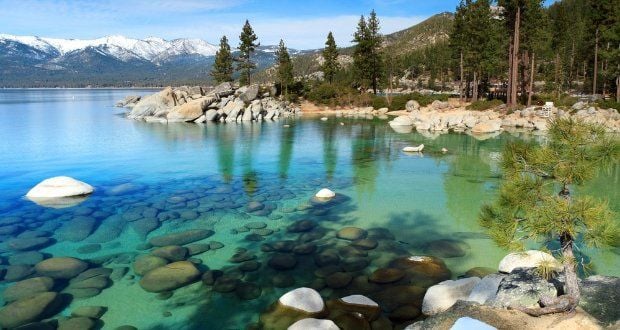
<point>150,49</point>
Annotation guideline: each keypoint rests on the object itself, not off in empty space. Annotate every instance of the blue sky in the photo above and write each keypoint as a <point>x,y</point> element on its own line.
<point>302,24</point>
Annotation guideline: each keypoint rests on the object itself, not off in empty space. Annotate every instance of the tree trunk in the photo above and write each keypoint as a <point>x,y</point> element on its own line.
<point>515,59</point>
<point>557,76</point>
<point>461,81</point>
<point>509,84</point>
<point>531,87</point>
<point>585,74</point>
<point>569,301</point>
<point>618,89</point>
<point>572,63</point>
<point>572,283</point>
<point>474,96</point>
<point>594,78</point>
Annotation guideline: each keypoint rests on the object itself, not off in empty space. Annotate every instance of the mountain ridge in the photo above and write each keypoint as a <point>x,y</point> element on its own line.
<point>119,61</point>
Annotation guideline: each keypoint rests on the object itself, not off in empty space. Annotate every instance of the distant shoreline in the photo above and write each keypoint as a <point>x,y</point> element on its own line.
<point>63,88</point>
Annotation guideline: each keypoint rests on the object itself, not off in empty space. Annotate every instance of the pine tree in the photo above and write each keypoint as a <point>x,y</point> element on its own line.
<point>374,57</point>
<point>330,57</point>
<point>536,203</point>
<point>223,67</point>
<point>367,54</point>
<point>247,46</point>
<point>476,41</point>
<point>285,67</point>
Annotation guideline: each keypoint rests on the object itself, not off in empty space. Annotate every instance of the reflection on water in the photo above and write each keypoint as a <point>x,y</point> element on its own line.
<point>252,185</point>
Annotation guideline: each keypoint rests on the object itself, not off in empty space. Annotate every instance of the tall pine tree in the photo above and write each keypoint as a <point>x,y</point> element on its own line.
<point>367,54</point>
<point>330,59</point>
<point>285,67</point>
<point>223,67</point>
<point>247,46</point>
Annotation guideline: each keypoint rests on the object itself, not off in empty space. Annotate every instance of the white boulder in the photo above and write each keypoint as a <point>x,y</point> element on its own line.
<point>414,149</point>
<point>325,193</point>
<point>467,323</point>
<point>402,121</point>
<point>486,289</point>
<point>412,105</point>
<point>526,259</point>
<point>440,297</point>
<point>487,126</point>
<point>303,299</point>
<point>358,299</point>
<point>60,186</point>
<point>313,324</point>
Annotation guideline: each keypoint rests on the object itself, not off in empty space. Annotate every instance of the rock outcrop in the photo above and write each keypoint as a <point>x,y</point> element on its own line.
<point>442,117</point>
<point>224,103</point>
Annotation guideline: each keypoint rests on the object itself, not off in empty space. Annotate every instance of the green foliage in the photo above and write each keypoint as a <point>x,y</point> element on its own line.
<point>367,58</point>
<point>330,56</point>
<point>222,69</point>
<point>379,102</point>
<point>479,39</point>
<point>562,100</point>
<point>609,104</point>
<point>285,67</point>
<point>337,95</point>
<point>535,201</point>
<point>482,105</point>
<point>247,46</point>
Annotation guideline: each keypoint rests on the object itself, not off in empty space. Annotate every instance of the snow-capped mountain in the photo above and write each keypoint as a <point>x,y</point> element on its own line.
<point>30,61</point>
<point>123,48</point>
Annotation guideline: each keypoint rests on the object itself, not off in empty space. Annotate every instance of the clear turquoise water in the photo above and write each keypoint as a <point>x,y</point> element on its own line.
<point>215,170</point>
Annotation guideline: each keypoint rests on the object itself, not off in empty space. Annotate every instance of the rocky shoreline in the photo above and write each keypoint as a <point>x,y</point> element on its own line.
<point>223,103</point>
<point>228,103</point>
<point>442,117</point>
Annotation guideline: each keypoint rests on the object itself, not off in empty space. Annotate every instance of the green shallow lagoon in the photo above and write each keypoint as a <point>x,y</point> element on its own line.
<point>153,179</point>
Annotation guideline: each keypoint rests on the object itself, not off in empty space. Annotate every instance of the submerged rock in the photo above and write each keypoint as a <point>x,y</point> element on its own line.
<point>27,288</point>
<point>29,310</point>
<point>338,280</point>
<point>82,323</point>
<point>26,244</point>
<point>423,270</point>
<point>386,275</point>
<point>77,229</point>
<point>170,277</point>
<point>61,267</point>
<point>447,248</point>
<point>146,263</point>
<point>351,233</point>
<point>171,253</point>
<point>181,238</point>
<point>282,262</point>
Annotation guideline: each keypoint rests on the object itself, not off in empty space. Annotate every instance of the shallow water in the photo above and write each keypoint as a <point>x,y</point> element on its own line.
<point>203,176</point>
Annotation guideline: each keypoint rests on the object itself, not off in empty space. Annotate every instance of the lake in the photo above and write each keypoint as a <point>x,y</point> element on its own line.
<point>247,183</point>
